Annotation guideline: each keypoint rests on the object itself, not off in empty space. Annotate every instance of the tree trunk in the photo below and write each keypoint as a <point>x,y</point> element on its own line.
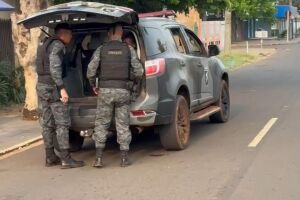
<point>26,43</point>
<point>227,45</point>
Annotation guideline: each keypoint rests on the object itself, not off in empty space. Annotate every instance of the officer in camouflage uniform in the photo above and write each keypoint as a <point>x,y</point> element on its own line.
<point>119,66</point>
<point>53,98</point>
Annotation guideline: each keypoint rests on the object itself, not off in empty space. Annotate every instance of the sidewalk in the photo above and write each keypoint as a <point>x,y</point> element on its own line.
<point>266,42</point>
<point>15,132</point>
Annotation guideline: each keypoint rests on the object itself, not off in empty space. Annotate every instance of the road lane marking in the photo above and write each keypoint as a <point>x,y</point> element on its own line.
<point>263,133</point>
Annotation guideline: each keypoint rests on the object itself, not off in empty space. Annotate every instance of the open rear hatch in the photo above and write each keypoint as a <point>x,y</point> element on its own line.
<point>81,12</point>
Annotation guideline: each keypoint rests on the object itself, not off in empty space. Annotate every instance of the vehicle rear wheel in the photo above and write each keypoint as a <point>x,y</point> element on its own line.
<point>75,141</point>
<point>224,103</point>
<point>175,136</point>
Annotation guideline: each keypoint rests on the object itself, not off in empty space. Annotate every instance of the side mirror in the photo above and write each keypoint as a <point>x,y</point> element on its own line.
<point>213,50</point>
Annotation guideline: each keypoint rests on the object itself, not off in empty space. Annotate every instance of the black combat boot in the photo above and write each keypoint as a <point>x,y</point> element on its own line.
<point>51,158</point>
<point>68,162</point>
<point>99,158</point>
<point>124,159</point>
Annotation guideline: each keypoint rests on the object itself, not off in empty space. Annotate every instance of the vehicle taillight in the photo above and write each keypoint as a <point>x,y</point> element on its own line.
<point>137,113</point>
<point>155,67</point>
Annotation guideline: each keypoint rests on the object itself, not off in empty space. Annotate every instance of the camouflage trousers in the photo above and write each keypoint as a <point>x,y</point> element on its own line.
<point>113,102</point>
<point>54,116</point>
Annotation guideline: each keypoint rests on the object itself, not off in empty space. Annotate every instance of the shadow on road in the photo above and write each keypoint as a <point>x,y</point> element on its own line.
<point>147,144</point>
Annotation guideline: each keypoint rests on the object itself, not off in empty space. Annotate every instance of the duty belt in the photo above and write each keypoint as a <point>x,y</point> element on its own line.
<point>117,84</point>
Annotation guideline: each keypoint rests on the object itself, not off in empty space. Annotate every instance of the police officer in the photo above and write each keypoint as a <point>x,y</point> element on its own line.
<point>53,98</point>
<point>129,39</point>
<point>118,65</point>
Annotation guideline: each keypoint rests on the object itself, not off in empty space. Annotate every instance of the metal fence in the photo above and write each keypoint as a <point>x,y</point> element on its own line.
<point>6,43</point>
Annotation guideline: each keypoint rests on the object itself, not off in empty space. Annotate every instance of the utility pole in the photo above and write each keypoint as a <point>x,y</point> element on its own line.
<point>288,22</point>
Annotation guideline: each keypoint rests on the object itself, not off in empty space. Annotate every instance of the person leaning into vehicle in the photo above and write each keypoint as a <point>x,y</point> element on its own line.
<point>130,40</point>
<point>53,98</point>
<point>119,66</point>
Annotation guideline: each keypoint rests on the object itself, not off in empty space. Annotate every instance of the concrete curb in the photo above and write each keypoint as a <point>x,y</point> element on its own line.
<point>20,145</point>
<point>265,44</point>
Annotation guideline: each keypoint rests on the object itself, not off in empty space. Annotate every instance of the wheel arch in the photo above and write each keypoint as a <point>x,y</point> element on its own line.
<point>222,76</point>
<point>184,91</point>
<point>225,77</point>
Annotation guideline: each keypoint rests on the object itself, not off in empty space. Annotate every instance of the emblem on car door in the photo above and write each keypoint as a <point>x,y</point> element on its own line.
<point>206,76</point>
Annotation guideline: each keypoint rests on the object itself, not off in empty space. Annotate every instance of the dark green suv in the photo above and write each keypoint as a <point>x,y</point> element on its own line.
<point>182,81</point>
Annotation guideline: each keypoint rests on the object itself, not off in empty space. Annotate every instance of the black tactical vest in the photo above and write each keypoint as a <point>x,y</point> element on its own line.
<point>115,65</point>
<point>42,61</point>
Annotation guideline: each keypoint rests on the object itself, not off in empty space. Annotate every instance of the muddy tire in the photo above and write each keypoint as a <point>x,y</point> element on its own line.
<point>75,141</point>
<point>175,136</point>
<point>224,103</point>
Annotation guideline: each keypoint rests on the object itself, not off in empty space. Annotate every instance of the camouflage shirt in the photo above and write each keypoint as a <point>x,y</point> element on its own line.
<point>57,51</point>
<point>137,67</point>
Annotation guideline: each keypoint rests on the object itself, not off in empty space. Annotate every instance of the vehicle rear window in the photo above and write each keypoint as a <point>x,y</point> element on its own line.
<point>154,42</point>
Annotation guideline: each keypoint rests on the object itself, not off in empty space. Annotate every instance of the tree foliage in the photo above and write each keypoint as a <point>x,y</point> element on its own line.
<point>144,6</point>
<point>244,8</point>
<point>260,9</point>
<point>295,3</point>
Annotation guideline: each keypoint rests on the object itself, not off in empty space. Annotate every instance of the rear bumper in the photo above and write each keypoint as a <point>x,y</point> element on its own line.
<point>80,123</point>
<point>146,120</point>
<point>83,115</point>
<point>84,119</point>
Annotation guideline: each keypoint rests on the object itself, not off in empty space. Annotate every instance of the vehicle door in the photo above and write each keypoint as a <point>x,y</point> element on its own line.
<point>78,13</point>
<point>199,59</point>
<point>187,71</point>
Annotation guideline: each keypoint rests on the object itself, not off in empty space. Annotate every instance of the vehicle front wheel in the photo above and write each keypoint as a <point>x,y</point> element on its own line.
<point>224,103</point>
<point>175,136</point>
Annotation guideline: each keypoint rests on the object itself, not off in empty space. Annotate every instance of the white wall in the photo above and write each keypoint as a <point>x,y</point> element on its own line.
<point>213,32</point>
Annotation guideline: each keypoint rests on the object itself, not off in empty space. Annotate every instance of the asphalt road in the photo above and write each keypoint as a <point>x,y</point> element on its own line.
<point>217,165</point>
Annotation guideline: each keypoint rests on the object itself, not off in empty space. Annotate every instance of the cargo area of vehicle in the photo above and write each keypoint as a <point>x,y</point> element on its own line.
<point>83,101</point>
<point>78,56</point>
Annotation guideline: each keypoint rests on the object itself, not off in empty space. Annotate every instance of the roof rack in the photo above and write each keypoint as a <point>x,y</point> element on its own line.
<point>163,13</point>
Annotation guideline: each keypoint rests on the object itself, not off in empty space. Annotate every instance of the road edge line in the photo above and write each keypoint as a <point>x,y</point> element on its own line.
<point>20,145</point>
<point>258,138</point>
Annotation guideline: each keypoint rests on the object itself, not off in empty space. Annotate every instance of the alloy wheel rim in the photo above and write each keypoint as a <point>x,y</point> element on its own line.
<point>182,125</point>
<point>225,102</point>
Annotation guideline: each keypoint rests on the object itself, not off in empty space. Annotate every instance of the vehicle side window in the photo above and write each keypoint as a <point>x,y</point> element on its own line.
<point>154,41</point>
<point>197,48</point>
<point>179,40</point>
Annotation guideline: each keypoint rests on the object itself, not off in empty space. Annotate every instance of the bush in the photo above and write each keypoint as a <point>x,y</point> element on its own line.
<point>275,33</point>
<point>283,34</point>
<point>12,83</point>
